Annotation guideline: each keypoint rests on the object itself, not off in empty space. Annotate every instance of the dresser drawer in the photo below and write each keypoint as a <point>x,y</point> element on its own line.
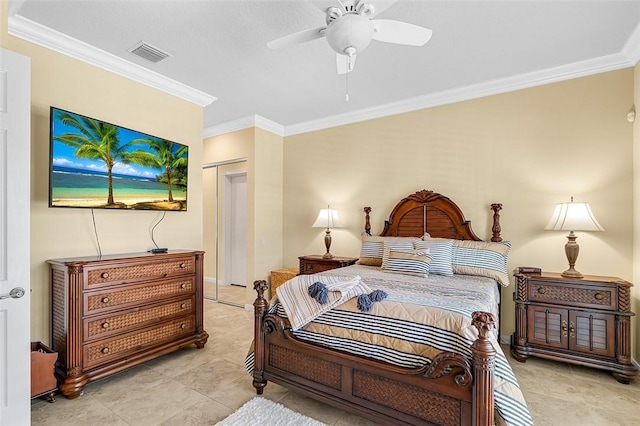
<point>121,322</point>
<point>104,351</point>
<point>130,272</point>
<point>134,295</point>
<point>600,297</point>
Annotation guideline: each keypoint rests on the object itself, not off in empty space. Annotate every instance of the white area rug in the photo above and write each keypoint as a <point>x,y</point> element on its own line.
<point>261,411</point>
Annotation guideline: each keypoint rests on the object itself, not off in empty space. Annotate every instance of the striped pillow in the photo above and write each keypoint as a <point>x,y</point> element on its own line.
<point>485,259</point>
<point>441,251</point>
<point>372,249</point>
<point>408,262</point>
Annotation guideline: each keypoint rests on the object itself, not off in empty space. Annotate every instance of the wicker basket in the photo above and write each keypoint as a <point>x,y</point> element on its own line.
<point>280,276</point>
<point>43,362</point>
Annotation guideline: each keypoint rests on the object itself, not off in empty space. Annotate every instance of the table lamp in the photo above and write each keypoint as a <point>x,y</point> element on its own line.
<point>573,217</point>
<point>327,218</point>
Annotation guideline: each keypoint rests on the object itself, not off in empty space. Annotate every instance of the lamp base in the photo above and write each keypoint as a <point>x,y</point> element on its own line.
<point>327,244</point>
<point>572,273</point>
<point>571,249</point>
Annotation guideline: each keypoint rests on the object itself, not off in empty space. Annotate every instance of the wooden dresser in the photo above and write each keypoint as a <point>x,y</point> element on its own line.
<point>584,321</point>
<point>113,312</point>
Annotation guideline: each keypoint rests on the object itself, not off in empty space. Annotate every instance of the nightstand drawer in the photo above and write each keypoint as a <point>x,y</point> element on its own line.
<point>314,268</point>
<point>314,264</point>
<point>577,295</point>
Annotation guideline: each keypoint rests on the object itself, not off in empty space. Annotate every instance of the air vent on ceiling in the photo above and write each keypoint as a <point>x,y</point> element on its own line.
<point>149,52</point>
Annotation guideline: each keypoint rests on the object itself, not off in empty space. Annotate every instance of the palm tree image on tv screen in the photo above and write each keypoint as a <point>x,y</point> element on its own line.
<point>95,164</point>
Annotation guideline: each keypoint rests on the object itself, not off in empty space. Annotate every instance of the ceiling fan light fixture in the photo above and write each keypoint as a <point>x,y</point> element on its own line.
<point>350,31</point>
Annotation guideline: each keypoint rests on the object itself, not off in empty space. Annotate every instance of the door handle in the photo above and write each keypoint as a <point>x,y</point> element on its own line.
<point>15,293</point>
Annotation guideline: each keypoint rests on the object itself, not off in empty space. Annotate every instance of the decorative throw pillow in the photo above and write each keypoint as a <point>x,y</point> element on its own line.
<point>409,262</point>
<point>372,249</point>
<point>395,245</point>
<point>440,250</point>
<point>485,259</point>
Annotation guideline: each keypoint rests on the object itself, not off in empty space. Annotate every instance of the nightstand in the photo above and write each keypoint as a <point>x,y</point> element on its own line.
<point>312,264</point>
<point>584,321</point>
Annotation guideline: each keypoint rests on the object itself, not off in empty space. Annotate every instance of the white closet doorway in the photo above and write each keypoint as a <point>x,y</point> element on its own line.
<point>225,231</point>
<point>235,228</point>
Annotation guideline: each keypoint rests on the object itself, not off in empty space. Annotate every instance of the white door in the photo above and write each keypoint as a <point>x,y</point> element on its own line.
<point>15,195</point>
<point>237,217</point>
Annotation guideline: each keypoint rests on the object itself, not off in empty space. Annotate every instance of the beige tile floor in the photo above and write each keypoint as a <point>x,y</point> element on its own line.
<point>201,387</point>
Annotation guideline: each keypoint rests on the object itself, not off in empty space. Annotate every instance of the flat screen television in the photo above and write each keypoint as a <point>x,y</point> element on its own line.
<point>95,164</point>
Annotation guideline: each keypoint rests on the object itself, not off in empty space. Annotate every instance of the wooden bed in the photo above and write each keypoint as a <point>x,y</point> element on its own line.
<point>450,391</point>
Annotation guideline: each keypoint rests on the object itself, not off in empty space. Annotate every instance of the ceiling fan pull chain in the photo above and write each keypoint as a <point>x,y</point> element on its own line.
<point>346,79</point>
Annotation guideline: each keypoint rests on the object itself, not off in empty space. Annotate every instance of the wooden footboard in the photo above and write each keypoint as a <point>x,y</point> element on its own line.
<point>450,391</point>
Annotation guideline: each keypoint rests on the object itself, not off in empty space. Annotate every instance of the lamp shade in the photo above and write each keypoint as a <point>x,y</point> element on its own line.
<point>573,217</point>
<point>327,218</point>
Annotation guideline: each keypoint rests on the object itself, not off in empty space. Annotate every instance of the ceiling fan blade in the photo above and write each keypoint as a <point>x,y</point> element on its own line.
<point>399,32</point>
<point>342,63</point>
<point>297,38</point>
<point>323,5</point>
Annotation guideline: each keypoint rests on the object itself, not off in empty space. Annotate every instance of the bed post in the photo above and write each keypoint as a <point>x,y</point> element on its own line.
<point>367,222</point>
<point>496,207</point>
<point>259,311</point>
<point>483,357</point>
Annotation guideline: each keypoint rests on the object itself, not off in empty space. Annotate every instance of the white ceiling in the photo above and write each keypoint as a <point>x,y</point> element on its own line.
<point>219,51</point>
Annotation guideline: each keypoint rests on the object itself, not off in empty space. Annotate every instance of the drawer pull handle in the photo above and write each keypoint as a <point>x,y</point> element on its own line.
<point>183,305</point>
<point>542,290</point>
<point>183,265</point>
<point>572,329</point>
<point>105,325</point>
<point>105,300</point>
<point>183,326</point>
<point>564,328</point>
<point>599,296</point>
<point>183,285</point>
<point>105,350</point>
<point>105,275</point>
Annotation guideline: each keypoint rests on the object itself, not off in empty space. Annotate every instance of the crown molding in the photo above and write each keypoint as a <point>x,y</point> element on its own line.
<point>244,123</point>
<point>33,32</point>
<point>494,87</point>
<point>627,58</point>
<point>631,48</point>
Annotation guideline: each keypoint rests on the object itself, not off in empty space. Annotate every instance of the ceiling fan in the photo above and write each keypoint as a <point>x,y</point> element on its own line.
<point>350,27</point>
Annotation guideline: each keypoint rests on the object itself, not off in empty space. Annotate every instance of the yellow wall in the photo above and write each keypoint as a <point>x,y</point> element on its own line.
<point>528,150</point>
<point>75,86</point>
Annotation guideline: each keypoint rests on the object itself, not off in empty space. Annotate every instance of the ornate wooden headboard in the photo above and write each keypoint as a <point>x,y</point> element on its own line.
<point>428,211</point>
